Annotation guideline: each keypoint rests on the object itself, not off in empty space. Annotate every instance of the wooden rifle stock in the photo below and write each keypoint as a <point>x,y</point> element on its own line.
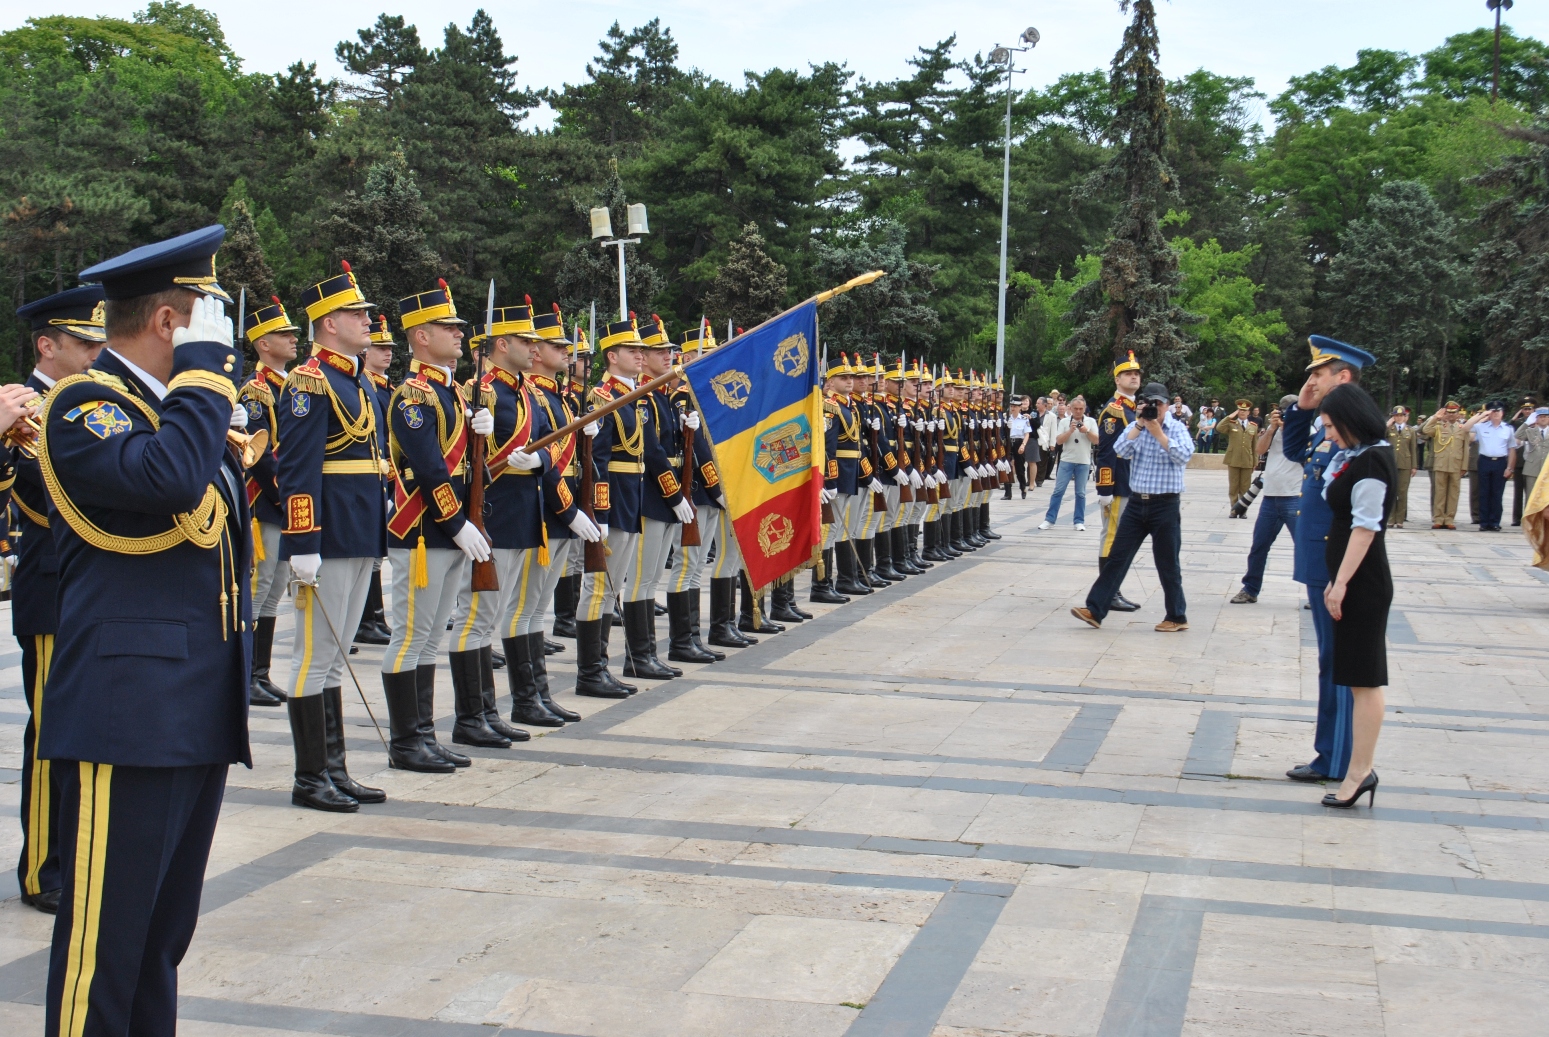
<point>595,553</point>
<point>690,529</point>
<point>905,491</point>
<point>484,575</point>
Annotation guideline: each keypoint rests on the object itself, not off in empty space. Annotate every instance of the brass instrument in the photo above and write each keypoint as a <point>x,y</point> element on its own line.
<point>23,436</point>
<point>249,446</point>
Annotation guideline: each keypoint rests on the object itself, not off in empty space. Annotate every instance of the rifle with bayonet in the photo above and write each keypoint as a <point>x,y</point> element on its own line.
<point>686,478</point>
<point>595,552</point>
<point>484,576</point>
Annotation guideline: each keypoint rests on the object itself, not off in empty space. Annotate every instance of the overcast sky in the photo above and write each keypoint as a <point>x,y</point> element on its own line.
<point>1269,40</point>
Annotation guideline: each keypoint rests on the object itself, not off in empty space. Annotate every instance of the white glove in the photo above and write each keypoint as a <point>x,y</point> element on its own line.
<point>523,461</point>
<point>691,419</point>
<point>902,477</point>
<point>583,527</point>
<point>828,494</point>
<point>1002,466</point>
<point>876,485</point>
<point>472,543</point>
<point>10,562</point>
<point>915,480</point>
<point>903,421</point>
<point>207,323</point>
<point>875,424</point>
<point>602,531</point>
<point>483,422</point>
<point>238,416</point>
<point>684,510</point>
<point>304,568</point>
<point>591,429</point>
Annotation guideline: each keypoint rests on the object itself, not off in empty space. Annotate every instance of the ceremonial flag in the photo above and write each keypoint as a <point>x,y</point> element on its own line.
<point>763,417</point>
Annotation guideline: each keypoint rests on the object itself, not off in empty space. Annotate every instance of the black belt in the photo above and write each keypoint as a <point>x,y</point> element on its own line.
<point>1157,496</point>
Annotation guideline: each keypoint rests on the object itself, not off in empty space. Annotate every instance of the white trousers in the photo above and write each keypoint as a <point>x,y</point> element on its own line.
<point>598,590</point>
<point>420,614</point>
<point>317,657</point>
<point>271,575</point>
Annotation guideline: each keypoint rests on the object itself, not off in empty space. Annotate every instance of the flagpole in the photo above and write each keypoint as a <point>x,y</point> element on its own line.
<point>677,369</point>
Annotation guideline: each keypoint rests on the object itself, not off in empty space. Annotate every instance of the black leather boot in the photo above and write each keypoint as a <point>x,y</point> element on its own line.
<point>723,615</point>
<point>944,538</point>
<point>616,620</point>
<point>260,690</point>
<point>497,660</point>
<point>552,647</point>
<point>882,546</point>
<point>373,618</point>
<point>425,688</point>
<point>782,603</point>
<point>745,614</point>
<point>933,550</point>
<point>406,751</point>
<point>790,598</point>
<point>640,643</point>
<point>540,679</point>
<point>971,514</point>
<point>823,591</point>
<point>680,633</point>
<point>984,519</point>
<point>912,537</point>
<point>868,573</point>
<point>309,734</point>
<point>849,576</point>
<point>567,594</point>
<point>526,705</point>
<point>492,717</point>
<point>960,541</point>
<point>693,626</point>
<point>592,678</point>
<point>898,554</point>
<point>468,700</point>
<point>333,714</point>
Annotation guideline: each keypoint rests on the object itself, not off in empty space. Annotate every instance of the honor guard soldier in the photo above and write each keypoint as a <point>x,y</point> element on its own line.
<point>1405,438</point>
<point>377,359</point>
<point>431,540</point>
<point>663,508</point>
<point>895,430</point>
<point>885,472</point>
<point>566,524</point>
<point>330,481</point>
<point>618,493</point>
<point>842,480</point>
<point>67,335</point>
<point>1113,470</point>
<point>567,593</point>
<point>715,533</point>
<point>916,443</point>
<point>273,338</point>
<point>960,459</point>
<point>1304,441</point>
<point>876,473</point>
<point>146,703</point>
<point>1241,436</point>
<point>931,444</point>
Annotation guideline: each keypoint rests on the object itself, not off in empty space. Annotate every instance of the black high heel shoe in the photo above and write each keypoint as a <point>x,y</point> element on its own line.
<point>1368,788</point>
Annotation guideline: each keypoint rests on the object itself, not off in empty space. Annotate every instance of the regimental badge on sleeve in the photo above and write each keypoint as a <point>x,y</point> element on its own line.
<point>300,403</point>
<point>668,483</point>
<point>446,500</point>
<point>412,415</point>
<point>255,410</point>
<point>1110,425</point>
<point>833,469</point>
<point>107,419</point>
<point>1105,476</point>
<point>600,496</point>
<point>299,515</point>
<point>565,498</point>
<point>711,477</point>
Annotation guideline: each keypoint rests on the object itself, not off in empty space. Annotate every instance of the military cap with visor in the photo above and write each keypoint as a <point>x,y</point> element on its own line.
<point>186,261</point>
<point>340,292</point>
<point>74,311</point>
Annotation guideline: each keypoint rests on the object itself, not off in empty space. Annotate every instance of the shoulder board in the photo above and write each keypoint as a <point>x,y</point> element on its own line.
<point>415,390</point>
<point>830,407</point>
<point>257,389</point>
<point>307,377</point>
<point>112,381</point>
<point>600,393</point>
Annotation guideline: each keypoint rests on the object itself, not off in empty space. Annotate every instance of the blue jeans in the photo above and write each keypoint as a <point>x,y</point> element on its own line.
<point>1069,470</point>
<point>1274,512</point>
<point>1155,516</point>
<point>1331,737</point>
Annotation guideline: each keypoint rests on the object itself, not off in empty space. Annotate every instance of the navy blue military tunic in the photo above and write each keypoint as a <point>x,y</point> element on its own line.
<point>842,437</point>
<point>429,439</point>
<point>330,461</point>
<point>258,396</point>
<point>1113,470</point>
<point>1308,447</point>
<point>707,481</point>
<point>618,459</point>
<point>562,472</point>
<point>151,661</point>
<point>35,587</point>
<point>518,500</point>
<point>663,458</point>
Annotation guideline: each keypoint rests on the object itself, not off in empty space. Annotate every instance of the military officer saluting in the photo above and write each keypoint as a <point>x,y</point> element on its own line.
<point>146,702</point>
<point>67,335</point>
<point>273,338</point>
<point>330,481</point>
<point>1241,452</point>
<point>1405,438</point>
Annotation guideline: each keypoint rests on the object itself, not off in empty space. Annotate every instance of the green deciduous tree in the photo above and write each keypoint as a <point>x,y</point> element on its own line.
<point>1511,266</point>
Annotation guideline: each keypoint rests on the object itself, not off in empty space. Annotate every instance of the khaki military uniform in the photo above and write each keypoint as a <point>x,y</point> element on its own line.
<point>1406,452</point>
<point>1449,446</point>
<point>1241,454</point>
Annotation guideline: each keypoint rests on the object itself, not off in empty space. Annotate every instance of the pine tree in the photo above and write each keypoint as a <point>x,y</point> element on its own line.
<point>1395,283</point>
<point>1131,307</point>
<point>886,316</point>
<point>381,233</point>
<point>242,263</point>
<point>749,287</point>
<point>589,274</point>
<point>1511,267</point>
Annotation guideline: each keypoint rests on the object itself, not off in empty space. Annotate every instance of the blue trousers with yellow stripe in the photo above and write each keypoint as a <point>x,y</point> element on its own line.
<point>134,842</point>
<point>38,870</point>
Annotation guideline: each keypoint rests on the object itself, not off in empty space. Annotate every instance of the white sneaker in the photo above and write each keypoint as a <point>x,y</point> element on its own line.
<point>1045,524</point>
<point>1080,527</point>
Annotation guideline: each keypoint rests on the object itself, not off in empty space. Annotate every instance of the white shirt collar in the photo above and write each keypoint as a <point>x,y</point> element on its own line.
<point>152,383</point>
<point>620,378</point>
<point>45,379</point>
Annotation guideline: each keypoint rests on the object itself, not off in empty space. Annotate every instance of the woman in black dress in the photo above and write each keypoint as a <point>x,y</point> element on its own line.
<point>1359,486</point>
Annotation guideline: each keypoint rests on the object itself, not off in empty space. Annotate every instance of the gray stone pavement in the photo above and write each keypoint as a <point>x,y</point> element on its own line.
<point>947,809</point>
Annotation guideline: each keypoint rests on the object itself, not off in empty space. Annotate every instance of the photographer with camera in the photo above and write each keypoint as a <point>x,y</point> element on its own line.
<point>1157,447</point>
<point>1282,499</point>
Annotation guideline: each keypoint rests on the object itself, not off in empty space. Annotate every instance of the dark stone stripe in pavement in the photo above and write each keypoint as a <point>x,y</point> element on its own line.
<point>1082,738</point>
<point>927,974</point>
<point>345,1024</point>
<point>1151,992</point>
<point>1213,747</point>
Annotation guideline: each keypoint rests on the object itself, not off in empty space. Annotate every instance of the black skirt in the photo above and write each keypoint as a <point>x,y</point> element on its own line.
<point>1361,636</point>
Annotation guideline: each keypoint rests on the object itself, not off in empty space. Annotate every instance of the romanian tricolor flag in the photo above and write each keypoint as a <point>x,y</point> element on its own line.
<point>762,413</point>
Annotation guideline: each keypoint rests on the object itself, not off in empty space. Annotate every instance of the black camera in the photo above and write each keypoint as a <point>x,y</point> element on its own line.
<point>1149,410</point>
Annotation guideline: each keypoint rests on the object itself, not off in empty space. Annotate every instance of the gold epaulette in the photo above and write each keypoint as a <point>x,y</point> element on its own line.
<point>308,378</point>
<point>830,407</point>
<point>112,381</point>
<point>599,394</point>
<point>258,389</point>
<point>414,390</point>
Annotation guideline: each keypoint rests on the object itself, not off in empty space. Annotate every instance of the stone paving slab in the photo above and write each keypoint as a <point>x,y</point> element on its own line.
<point>945,810</point>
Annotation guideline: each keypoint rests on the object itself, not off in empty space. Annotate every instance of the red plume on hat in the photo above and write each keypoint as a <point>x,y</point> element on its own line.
<point>345,263</point>
<point>528,300</point>
<point>442,282</point>
<point>276,299</point>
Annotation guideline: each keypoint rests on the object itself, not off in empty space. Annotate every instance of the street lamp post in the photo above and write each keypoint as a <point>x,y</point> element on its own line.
<point>1008,55</point>
<point>1497,6</point>
<point>602,227</point>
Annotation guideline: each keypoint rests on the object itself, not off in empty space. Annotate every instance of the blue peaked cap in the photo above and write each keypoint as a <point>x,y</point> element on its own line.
<point>1326,350</point>
<point>186,261</point>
